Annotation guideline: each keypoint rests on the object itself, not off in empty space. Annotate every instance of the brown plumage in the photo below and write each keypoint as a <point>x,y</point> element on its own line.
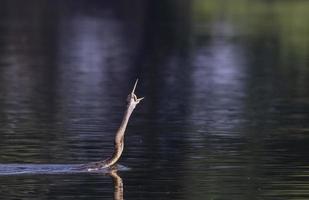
<point>119,137</point>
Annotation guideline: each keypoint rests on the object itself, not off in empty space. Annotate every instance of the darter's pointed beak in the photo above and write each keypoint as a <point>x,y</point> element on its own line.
<point>134,86</point>
<point>132,95</point>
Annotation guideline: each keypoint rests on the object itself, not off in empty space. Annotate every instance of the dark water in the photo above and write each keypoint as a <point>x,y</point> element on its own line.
<point>226,110</point>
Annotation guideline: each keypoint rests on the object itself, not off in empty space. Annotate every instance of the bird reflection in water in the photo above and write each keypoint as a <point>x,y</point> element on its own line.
<point>118,185</point>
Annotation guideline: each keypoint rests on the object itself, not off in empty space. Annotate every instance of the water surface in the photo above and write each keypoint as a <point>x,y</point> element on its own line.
<point>226,110</point>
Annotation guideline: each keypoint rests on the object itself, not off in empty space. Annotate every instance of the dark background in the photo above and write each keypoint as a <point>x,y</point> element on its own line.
<point>226,106</point>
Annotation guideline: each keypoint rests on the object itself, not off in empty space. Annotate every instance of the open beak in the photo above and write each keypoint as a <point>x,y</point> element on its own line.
<point>133,95</point>
<point>134,86</point>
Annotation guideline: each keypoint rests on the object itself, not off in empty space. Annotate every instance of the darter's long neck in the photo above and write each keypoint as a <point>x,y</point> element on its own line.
<point>119,138</point>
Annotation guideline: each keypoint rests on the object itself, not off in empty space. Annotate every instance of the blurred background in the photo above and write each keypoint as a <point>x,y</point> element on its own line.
<point>226,106</point>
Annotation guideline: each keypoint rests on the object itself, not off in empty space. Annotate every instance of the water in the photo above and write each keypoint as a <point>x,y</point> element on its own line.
<point>34,169</point>
<point>226,106</point>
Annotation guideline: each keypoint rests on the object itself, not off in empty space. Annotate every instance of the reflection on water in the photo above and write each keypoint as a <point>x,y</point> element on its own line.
<point>218,78</point>
<point>49,185</point>
<point>50,169</point>
<point>118,185</point>
<point>226,108</point>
